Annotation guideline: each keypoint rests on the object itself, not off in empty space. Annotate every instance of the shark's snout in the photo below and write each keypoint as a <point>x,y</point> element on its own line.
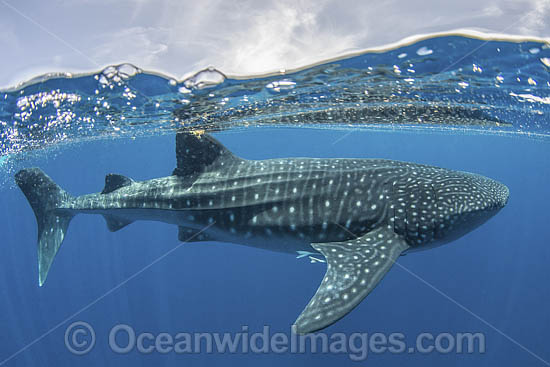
<point>472,193</point>
<point>464,202</point>
<point>503,194</point>
<point>494,195</point>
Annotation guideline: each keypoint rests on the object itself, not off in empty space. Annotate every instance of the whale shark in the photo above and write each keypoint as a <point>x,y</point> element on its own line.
<point>359,215</point>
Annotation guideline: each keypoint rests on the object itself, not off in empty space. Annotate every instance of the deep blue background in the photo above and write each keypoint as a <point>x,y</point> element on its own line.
<point>500,271</point>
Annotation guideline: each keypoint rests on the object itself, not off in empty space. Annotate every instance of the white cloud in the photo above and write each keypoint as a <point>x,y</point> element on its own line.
<point>137,45</point>
<point>536,18</point>
<point>283,36</point>
<point>244,37</point>
<point>8,36</point>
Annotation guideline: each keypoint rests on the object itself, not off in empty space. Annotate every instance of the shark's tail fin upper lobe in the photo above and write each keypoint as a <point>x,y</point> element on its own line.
<point>45,198</point>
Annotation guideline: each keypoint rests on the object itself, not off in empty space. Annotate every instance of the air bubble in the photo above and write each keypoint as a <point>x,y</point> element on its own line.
<point>424,51</point>
<point>204,79</point>
<point>280,85</point>
<point>117,74</point>
<point>127,70</point>
<point>103,80</point>
<point>109,72</point>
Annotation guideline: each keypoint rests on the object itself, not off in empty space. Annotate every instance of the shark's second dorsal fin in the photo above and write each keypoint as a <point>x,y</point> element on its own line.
<point>196,152</point>
<point>114,182</point>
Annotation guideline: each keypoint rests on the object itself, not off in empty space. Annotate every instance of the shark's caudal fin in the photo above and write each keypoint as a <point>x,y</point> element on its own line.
<point>45,197</point>
<point>354,268</point>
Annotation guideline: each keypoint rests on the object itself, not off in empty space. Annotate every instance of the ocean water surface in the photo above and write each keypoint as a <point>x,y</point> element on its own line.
<point>453,101</point>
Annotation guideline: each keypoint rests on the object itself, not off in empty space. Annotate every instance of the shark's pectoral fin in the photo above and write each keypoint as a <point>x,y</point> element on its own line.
<point>354,268</point>
<point>114,223</point>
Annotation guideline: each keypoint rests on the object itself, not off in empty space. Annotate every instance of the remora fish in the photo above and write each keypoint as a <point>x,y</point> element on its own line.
<point>360,214</point>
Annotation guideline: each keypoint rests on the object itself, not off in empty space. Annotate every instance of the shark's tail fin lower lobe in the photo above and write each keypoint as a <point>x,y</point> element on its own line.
<point>45,198</point>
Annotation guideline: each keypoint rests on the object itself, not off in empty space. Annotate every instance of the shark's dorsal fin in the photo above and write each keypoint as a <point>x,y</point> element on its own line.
<point>196,152</point>
<point>114,182</point>
<point>354,268</point>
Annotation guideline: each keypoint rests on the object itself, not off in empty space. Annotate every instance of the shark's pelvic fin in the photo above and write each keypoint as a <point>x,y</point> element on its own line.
<point>354,268</point>
<point>45,197</point>
<point>114,223</point>
<point>114,182</point>
<point>195,153</point>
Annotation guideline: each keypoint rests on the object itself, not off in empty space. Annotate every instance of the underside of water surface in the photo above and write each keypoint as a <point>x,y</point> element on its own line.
<point>450,83</point>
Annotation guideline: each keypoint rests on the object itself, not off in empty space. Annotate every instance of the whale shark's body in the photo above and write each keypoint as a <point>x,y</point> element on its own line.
<point>360,214</point>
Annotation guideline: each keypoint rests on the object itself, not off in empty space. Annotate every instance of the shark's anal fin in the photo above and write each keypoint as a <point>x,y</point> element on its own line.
<point>115,223</point>
<point>114,182</point>
<point>354,268</point>
<point>196,152</point>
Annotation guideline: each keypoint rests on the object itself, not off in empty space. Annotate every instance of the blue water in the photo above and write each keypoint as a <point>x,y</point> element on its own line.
<point>498,273</point>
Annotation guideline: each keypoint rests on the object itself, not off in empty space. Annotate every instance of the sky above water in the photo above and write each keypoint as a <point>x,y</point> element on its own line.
<point>238,37</point>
